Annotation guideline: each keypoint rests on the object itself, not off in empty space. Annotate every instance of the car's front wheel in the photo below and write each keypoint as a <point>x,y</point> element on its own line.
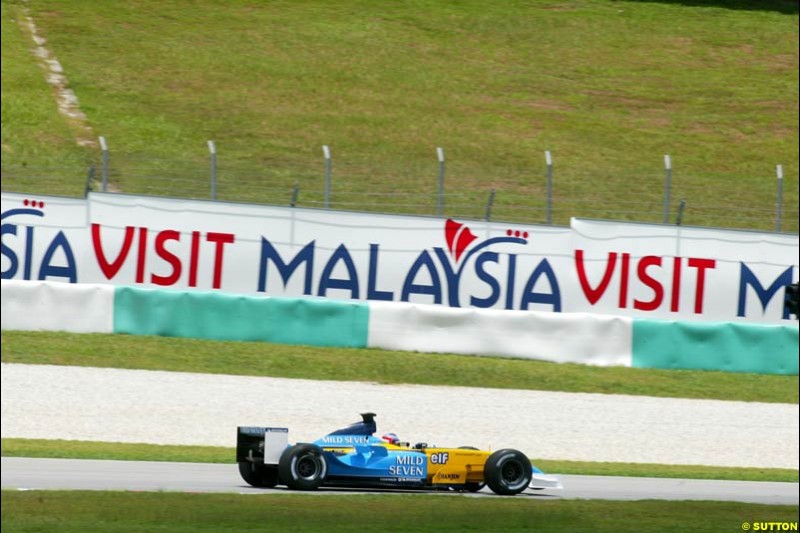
<point>508,472</point>
<point>303,467</point>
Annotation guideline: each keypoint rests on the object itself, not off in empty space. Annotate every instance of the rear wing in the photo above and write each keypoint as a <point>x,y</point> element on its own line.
<point>260,444</point>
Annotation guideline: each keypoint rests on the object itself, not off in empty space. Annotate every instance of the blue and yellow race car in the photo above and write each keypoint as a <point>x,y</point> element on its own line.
<point>355,457</point>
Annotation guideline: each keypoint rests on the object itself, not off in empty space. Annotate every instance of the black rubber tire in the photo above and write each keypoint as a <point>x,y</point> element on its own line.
<point>259,474</point>
<point>303,467</point>
<point>508,472</point>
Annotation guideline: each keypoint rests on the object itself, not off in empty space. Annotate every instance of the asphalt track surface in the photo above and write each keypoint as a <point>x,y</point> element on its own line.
<point>75,474</point>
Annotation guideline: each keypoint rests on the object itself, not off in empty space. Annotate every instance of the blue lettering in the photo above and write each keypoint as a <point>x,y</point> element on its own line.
<point>268,252</point>
<point>9,229</point>
<point>483,275</point>
<point>28,252</point>
<point>512,276</point>
<point>747,278</point>
<point>372,292</point>
<point>452,277</point>
<point>552,298</point>
<point>48,269</point>
<point>434,289</point>
<point>327,282</point>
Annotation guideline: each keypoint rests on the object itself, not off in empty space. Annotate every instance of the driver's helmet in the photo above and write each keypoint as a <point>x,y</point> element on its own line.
<point>391,438</point>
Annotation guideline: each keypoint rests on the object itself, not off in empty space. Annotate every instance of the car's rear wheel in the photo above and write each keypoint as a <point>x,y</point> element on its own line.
<point>259,474</point>
<point>303,467</point>
<point>508,472</point>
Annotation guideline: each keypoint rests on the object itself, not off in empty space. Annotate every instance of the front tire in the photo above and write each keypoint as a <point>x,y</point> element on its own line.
<point>258,474</point>
<point>303,467</point>
<point>508,472</point>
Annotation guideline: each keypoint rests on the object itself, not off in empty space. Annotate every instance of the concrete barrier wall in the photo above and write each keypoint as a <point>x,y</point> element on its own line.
<point>559,337</point>
<point>53,306</point>
<point>602,340</point>
<point>220,316</point>
<point>727,346</point>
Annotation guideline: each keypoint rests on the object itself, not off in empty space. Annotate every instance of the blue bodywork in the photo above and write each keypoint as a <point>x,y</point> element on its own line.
<point>368,460</point>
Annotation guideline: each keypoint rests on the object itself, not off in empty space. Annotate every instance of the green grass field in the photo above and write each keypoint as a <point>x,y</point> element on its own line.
<point>37,142</point>
<point>65,449</point>
<point>382,366</point>
<point>112,512</point>
<point>608,86</point>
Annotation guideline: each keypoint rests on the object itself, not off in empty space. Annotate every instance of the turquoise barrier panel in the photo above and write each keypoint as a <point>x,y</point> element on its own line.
<point>728,346</point>
<point>207,315</point>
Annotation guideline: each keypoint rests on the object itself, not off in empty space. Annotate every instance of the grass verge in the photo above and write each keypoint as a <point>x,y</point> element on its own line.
<point>607,86</point>
<point>66,449</point>
<point>37,143</point>
<point>262,359</point>
<point>79,511</point>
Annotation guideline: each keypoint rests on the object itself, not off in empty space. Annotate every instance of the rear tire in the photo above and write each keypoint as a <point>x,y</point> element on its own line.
<point>259,474</point>
<point>303,467</point>
<point>508,472</point>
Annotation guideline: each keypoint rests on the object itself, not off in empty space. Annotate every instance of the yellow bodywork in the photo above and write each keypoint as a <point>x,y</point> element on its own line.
<point>452,466</point>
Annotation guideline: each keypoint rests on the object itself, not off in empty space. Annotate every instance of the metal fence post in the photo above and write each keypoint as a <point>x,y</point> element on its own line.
<point>89,180</point>
<point>779,206</point>
<point>212,150</point>
<point>548,159</point>
<point>104,149</point>
<point>326,151</point>
<point>295,194</point>
<point>667,186</point>
<point>681,206</point>
<point>440,201</point>
<point>489,204</point>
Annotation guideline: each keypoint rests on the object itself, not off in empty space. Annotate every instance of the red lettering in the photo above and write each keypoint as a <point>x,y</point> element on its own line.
<point>623,281</point>
<point>193,259</point>
<point>220,239</point>
<point>110,269</point>
<point>593,295</point>
<point>658,290</point>
<point>676,285</point>
<point>701,265</point>
<point>169,257</point>
<point>142,255</point>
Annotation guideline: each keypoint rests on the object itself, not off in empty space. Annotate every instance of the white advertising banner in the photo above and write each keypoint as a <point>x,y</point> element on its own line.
<point>301,252</point>
<point>670,272</point>
<point>44,237</point>
<point>595,267</point>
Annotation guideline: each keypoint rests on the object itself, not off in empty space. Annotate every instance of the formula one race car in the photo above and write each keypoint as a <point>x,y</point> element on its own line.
<point>354,457</point>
